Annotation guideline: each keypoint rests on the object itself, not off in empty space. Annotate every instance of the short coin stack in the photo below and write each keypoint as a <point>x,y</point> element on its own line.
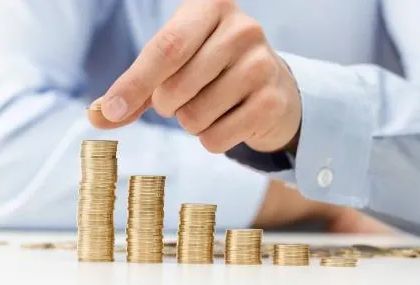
<point>196,233</point>
<point>145,219</point>
<point>335,261</point>
<point>291,254</point>
<point>96,201</point>
<point>243,246</point>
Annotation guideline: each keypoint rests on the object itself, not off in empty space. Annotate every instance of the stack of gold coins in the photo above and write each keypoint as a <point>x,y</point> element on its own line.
<point>196,233</point>
<point>337,261</point>
<point>243,246</point>
<point>291,254</point>
<point>145,219</point>
<point>96,201</point>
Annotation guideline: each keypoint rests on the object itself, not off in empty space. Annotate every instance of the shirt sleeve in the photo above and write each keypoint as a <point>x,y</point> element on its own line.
<point>402,20</point>
<point>360,135</point>
<point>42,52</point>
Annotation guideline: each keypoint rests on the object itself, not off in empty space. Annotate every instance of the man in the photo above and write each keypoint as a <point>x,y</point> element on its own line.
<point>212,67</point>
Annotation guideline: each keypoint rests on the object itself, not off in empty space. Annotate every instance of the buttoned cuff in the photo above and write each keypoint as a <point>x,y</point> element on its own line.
<point>334,147</point>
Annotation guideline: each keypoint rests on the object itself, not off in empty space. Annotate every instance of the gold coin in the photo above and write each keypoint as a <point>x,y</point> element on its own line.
<point>196,233</point>
<point>145,219</point>
<point>335,261</point>
<point>243,246</point>
<point>291,254</point>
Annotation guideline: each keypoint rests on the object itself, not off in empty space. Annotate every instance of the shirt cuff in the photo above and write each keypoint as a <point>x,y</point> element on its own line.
<point>335,142</point>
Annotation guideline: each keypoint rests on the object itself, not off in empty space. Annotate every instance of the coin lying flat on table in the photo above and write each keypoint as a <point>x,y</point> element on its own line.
<point>38,245</point>
<point>335,261</point>
<point>267,249</point>
<point>65,245</point>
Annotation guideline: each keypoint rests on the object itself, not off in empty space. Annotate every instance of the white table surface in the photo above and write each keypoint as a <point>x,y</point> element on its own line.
<point>58,267</point>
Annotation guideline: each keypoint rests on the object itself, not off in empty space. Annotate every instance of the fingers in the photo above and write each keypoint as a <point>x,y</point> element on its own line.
<point>220,96</point>
<point>98,120</point>
<point>203,68</point>
<point>231,129</point>
<point>253,119</point>
<point>215,55</point>
<point>168,51</point>
<point>212,67</point>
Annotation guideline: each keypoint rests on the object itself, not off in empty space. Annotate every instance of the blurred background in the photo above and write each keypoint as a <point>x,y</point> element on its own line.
<point>58,56</point>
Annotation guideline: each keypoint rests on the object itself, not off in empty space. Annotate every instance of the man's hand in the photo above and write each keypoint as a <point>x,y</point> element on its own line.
<point>211,67</point>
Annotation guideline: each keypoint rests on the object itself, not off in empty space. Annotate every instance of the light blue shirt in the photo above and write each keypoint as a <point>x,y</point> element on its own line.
<point>360,136</point>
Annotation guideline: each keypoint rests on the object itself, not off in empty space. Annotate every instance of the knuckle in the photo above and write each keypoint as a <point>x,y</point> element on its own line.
<point>134,83</point>
<point>174,86</point>
<point>188,119</point>
<point>166,97</point>
<point>263,63</point>
<point>260,67</point>
<point>250,76</point>
<point>223,6</point>
<point>170,45</point>
<point>270,102</point>
<point>284,103</point>
<point>210,142</point>
<point>250,30</point>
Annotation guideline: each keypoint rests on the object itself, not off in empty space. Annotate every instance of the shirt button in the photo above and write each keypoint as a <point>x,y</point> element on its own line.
<point>325,177</point>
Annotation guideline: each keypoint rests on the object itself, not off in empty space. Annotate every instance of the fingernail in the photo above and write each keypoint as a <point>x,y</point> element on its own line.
<point>114,109</point>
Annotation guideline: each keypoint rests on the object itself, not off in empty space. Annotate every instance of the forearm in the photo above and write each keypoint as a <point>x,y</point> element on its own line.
<point>285,208</point>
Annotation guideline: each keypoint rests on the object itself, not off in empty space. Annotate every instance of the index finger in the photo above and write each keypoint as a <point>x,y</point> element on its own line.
<point>167,52</point>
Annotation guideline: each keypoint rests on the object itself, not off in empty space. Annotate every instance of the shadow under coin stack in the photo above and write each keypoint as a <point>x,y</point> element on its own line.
<point>291,254</point>
<point>96,201</point>
<point>196,233</point>
<point>243,246</point>
<point>145,219</point>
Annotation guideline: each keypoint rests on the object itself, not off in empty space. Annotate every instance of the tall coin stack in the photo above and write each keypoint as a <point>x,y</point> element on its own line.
<point>145,219</point>
<point>96,201</point>
<point>291,254</point>
<point>196,233</point>
<point>243,246</point>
